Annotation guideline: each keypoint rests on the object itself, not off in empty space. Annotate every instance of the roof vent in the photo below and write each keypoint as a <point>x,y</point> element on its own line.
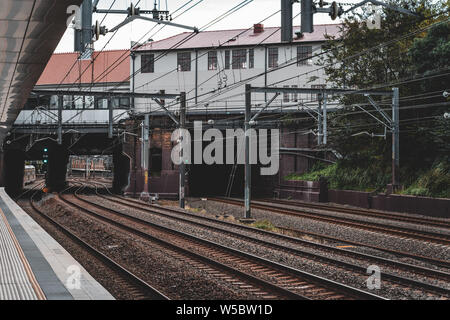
<point>258,28</point>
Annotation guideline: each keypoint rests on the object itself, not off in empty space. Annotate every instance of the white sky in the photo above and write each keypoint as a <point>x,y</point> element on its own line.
<point>198,16</point>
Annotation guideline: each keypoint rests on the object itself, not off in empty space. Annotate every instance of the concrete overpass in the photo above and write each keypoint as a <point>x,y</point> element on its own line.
<point>30,31</point>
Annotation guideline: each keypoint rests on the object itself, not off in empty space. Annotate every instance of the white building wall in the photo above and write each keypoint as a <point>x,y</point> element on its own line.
<point>167,78</point>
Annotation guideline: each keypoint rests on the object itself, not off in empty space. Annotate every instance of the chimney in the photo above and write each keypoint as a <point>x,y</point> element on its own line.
<point>258,28</point>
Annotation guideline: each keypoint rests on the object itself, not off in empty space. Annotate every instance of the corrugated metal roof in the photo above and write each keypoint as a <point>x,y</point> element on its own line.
<point>243,37</point>
<point>116,61</point>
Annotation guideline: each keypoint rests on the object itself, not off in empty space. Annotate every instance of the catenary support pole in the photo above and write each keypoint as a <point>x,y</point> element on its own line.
<point>60,108</point>
<point>183,163</point>
<point>395,138</point>
<point>319,120</point>
<point>145,155</point>
<point>324,128</point>
<point>110,121</point>
<point>248,173</point>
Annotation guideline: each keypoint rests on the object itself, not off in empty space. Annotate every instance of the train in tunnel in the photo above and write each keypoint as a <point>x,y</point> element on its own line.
<point>29,175</point>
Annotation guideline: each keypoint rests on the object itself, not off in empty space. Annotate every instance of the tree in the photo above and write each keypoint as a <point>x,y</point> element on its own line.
<point>407,52</point>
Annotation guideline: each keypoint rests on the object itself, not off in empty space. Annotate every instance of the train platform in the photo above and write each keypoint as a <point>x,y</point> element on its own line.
<point>34,266</point>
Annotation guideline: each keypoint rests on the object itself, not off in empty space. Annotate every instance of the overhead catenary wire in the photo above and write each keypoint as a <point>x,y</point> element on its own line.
<point>293,61</point>
<point>190,36</point>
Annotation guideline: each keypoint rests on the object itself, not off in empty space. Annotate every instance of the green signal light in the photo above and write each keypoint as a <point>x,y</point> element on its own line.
<point>45,161</point>
<point>45,150</point>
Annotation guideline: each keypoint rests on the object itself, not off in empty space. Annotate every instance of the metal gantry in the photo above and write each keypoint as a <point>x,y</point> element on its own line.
<point>391,123</point>
<point>86,32</point>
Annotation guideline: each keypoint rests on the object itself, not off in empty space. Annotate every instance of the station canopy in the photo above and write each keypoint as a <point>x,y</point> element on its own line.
<point>30,31</point>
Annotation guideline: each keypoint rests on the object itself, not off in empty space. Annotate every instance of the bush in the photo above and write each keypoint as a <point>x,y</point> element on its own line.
<point>433,183</point>
<point>347,177</point>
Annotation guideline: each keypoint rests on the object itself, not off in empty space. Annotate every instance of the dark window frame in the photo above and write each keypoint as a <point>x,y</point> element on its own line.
<point>121,102</point>
<point>227,59</point>
<point>212,60</point>
<point>184,61</point>
<point>304,55</point>
<point>239,59</point>
<point>286,96</point>
<point>294,95</point>
<point>273,56</point>
<point>148,63</point>
<point>251,58</point>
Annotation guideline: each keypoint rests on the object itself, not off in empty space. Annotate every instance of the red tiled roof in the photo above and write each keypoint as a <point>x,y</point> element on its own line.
<point>60,64</point>
<point>208,39</point>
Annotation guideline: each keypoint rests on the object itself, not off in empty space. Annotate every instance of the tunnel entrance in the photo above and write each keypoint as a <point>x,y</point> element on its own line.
<point>55,162</point>
<point>13,171</point>
<point>221,180</point>
<point>227,179</point>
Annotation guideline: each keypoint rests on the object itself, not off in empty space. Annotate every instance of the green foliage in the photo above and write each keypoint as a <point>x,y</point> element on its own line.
<point>264,224</point>
<point>433,51</point>
<point>433,183</point>
<point>345,177</point>
<point>394,56</point>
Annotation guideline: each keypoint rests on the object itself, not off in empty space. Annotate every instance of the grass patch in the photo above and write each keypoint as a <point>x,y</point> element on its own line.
<point>264,225</point>
<point>314,174</point>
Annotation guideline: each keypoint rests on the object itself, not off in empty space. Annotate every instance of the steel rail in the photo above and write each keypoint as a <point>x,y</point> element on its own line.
<point>317,283</point>
<point>362,212</point>
<point>267,288</point>
<point>430,260</point>
<point>370,226</point>
<point>147,291</point>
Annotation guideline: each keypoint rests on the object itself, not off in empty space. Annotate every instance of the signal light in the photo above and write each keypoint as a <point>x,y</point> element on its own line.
<point>45,150</point>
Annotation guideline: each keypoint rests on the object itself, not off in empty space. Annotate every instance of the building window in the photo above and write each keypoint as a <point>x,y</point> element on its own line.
<point>68,102</point>
<point>227,59</point>
<point>251,58</point>
<point>78,102</point>
<point>304,54</point>
<point>121,103</point>
<point>286,95</point>
<point>148,63</point>
<point>184,61</point>
<point>54,102</point>
<point>239,59</point>
<point>273,57</point>
<point>89,102</point>
<point>294,95</point>
<point>101,103</point>
<point>212,60</point>
<point>314,96</point>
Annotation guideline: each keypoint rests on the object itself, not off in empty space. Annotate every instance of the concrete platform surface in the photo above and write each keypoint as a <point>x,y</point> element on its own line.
<point>33,266</point>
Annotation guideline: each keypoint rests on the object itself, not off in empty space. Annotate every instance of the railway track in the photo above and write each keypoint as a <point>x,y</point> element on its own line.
<point>139,289</point>
<point>283,281</point>
<point>272,238</point>
<point>138,204</point>
<point>402,232</point>
<point>440,223</point>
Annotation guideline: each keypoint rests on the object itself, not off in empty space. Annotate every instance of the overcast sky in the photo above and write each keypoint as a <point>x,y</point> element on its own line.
<point>199,16</point>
